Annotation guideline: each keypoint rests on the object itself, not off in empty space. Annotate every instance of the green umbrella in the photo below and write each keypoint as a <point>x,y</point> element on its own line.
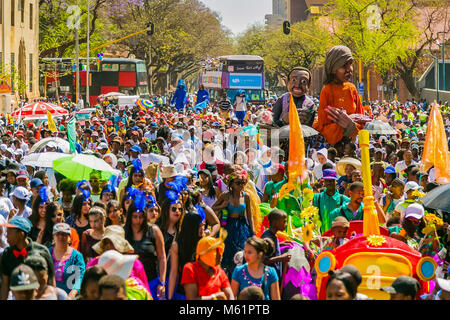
<point>80,166</point>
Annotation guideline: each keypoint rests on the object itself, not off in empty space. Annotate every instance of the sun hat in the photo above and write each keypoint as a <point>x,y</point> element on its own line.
<point>341,164</point>
<point>115,263</point>
<point>329,174</point>
<point>168,171</point>
<point>116,234</point>
<point>415,210</point>
<point>61,227</point>
<point>403,284</point>
<point>23,278</point>
<point>411,185</point>
<point>340,222</point>
<point>19,223</point>
<point>21,193</point>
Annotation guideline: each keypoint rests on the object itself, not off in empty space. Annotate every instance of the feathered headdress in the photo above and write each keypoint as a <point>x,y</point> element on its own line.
<point>80,183</point>
<point>173,196</point>
<point>86,194</point>
<point>131,193</point>
<point>108,188</point>
<point>140,201</point>
<point>151,201</point>
<point>43,195</point>
<point>137,164</point>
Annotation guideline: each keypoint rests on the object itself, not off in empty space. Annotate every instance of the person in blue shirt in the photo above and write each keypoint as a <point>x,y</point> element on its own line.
<point>121,117</point>
<point>254,272</point>
<point>179,99</point>
<point>202,95</point>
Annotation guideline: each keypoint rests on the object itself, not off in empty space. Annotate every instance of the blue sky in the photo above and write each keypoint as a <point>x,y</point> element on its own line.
<point>237,15</point>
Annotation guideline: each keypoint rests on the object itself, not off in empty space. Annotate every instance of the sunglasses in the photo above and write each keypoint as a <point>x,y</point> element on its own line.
<point>175,209</point>
<point>240,182</point>
<point>57,215</point>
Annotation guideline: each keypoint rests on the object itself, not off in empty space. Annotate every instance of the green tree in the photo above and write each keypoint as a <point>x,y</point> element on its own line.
<point>433,23</point>
<point>186,32</point>
<point>379,32</point>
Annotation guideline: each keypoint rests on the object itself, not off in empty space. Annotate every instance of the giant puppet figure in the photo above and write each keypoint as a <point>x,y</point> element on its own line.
<point>180,96</point>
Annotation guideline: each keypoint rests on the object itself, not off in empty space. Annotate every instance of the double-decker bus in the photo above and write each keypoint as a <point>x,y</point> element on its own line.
<point>127,76</point>
<point>233,73</point>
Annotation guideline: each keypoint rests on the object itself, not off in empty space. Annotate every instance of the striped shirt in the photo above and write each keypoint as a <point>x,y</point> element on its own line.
<point>225,105</point>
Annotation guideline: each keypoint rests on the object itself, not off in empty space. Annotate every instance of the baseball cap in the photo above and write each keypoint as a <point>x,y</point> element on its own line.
<point>329,174</point>
<point>22,174</point>
<point>21,193</point>
<point>276,168</point>
<point>136,148</point>
<point>415,210</point>
<point>403,284</point>
<point>36,182</point>
<point>415,146</point>
<point>94,134</point>
<point>61,227</point>
<point>389,169</point>
<point>19,223</point>
<point>102,146</point>
<point>154,125</point>
<point>23,278</point>
<point>411,185</point>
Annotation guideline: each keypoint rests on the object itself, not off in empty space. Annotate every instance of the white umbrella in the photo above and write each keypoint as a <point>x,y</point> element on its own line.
<point>42,159</point>
<point>60,143</point>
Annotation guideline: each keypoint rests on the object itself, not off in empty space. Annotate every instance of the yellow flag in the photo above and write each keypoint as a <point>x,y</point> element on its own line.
<point>296,163</point>
<point>435,151</point>
<point>51,123</point>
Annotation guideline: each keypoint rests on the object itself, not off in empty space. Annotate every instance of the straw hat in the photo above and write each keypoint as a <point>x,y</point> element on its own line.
<point>168,172</point>
<point>341,164</point>
<point>115,263</point>
<point>117,236</point>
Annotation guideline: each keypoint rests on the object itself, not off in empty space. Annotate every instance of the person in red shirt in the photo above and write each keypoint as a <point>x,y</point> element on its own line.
<point>204,279</point>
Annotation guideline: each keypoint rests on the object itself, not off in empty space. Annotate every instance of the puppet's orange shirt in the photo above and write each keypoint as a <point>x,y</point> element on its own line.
<point>337,95</point>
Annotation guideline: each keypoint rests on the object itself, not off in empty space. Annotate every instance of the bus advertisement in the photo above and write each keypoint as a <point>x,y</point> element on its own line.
<point>234,73</point>
<point>128,76</point>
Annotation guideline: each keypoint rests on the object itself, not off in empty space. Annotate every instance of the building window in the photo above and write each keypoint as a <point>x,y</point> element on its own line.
<point>31,73</point>
<point>13,70</point>
<point>31,16</point>
<point>21,8</point>
<point>13,5</point>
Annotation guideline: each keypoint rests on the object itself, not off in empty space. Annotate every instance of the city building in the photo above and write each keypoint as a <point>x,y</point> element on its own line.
<point>279,13</point>
<point>19,52</point>
<point>301,10</point>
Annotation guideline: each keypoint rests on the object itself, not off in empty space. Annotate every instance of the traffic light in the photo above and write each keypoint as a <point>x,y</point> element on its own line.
<point>150,28</point>
<point>286,27</point>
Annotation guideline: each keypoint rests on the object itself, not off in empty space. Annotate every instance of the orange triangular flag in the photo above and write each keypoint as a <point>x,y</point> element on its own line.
<point>435,151</point>
<point>296,163</point>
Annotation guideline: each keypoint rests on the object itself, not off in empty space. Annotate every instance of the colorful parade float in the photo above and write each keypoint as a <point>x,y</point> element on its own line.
<point>379,258</point>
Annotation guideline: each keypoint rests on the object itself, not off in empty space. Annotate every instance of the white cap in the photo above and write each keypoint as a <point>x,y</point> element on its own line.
<point>3,147</point>
<point>411,185</point>
<point>102,146</point>
<point>10,150</point>
<point>415,210</point>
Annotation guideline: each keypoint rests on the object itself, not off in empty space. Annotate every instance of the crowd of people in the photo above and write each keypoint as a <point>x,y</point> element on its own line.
<point>194,210</point>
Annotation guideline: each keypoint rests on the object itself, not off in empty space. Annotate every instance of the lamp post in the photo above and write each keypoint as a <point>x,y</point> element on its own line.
<point>436,73</point>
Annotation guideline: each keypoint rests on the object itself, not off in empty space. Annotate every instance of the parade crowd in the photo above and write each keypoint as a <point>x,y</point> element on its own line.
<point>193,207</point>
